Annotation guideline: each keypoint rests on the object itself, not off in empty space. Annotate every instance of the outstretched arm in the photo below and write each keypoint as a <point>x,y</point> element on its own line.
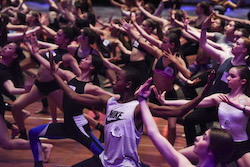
<point>87,99</point>
<point>164,22</point>
<point>173,157</point>
<point>167,111</point>
<point>213,52</point>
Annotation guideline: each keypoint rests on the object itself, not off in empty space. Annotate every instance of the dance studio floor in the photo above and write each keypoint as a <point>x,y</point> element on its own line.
<point>67,152</point>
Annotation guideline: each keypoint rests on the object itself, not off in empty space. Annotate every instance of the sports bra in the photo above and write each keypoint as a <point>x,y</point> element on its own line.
<point>168,71</point>
<point>138,46</point>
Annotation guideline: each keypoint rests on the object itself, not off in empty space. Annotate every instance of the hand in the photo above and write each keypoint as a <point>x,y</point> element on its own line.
<point>53,66</point>
<point>144,90</point>
<point>138,3</point>
<point>29,83</point>
<point>160,97</point>
<point>193,82</point>
<point>168,54</point>
<point>210,81</point>
<point>208,21</point>
<point>125,25</point>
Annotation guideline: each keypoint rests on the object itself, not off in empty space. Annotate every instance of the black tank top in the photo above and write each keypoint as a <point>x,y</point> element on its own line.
<point>70,107</point>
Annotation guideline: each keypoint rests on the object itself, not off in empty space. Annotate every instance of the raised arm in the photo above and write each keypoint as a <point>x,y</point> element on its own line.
<point>163,21</point>
<point>213,52</point>
<point>143,33</point>
<point>152,50</point>
<point>173,157</point>
<point>243,21</point>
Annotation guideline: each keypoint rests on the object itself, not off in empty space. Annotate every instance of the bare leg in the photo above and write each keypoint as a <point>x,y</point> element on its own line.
<point>47,148</point>
<point>53,109</point>
<point>171,130</point>
<point>21,102</point>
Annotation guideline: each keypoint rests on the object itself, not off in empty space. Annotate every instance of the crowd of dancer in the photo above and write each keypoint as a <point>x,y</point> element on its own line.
<point>142,56</point>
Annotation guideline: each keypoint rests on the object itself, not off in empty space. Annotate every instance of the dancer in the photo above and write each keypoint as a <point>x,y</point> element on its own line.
<point>123,118</point>
<point>214,146</point>
<point>75,125</point>
<point>232,118</point>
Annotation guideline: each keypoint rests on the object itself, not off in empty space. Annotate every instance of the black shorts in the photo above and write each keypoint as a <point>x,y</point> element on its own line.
<point>47,87</point>
<point>240,148</point>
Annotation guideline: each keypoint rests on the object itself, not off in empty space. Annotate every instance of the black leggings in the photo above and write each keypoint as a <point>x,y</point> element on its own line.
<point>198,116</point>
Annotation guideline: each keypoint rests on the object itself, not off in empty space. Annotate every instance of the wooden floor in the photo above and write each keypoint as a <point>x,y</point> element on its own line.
<point>67,152</point>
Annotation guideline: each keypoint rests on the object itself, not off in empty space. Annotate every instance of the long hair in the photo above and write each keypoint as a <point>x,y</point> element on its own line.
<point>15,69</point>
<point>3,33</point>
<point>221,144</point>
<point>174,38</point>
<point>155,25</point>
<point>93,37</point>
<point>244,73</point>
<point>98,64</point>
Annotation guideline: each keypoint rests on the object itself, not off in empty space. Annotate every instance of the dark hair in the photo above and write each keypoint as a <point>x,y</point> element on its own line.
<point>5,18</point>
<point>132,75</point>
<point>221,144</point>
<point>22,18</point>
<point>175,30</point>
<point>70,33</point>
<point>244,73</point>
<point>98,64</point>
<point>91,18</point>
<point>206,7</point>
<point>93,37</point>
<point>174,38</point>
<point>245,33</point>
<point>15,69</point>
<point>150,7</point>
<point>246,45</point>
<point>3,33</point>
<point>155,25</point>
<point>35,15</point>
<point>248,15</point>
<point>81,23</point>
<point>179,14</point>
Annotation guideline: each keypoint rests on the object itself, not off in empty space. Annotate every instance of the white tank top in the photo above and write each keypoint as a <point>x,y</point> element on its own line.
<point>121,136</point>
<point>234,121</point>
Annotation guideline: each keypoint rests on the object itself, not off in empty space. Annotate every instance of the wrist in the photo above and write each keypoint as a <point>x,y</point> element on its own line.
<point>140,98</point>
<point>138,38</point>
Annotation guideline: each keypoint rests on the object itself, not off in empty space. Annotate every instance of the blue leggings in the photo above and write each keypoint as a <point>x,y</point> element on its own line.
<point>82,135</point>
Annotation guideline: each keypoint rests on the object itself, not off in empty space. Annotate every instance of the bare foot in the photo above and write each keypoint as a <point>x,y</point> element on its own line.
<point>14,131</point>
<point>47,148</point>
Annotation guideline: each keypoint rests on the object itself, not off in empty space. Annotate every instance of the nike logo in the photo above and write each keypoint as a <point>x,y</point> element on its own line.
<point>113,116</point>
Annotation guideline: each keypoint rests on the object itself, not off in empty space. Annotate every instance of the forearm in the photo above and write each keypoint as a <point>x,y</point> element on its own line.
<point>87,99</point>
<point>159,9</point>
<point>151,39</point>
<point>147,118</point>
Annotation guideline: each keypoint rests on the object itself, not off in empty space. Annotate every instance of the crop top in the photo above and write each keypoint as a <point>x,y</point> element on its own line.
<point>168,71</point>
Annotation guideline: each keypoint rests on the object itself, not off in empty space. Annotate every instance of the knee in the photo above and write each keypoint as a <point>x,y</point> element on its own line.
<point>171,127</point>
<point>33,134</point>
<point>16,107</point>
<point>6,145</point>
